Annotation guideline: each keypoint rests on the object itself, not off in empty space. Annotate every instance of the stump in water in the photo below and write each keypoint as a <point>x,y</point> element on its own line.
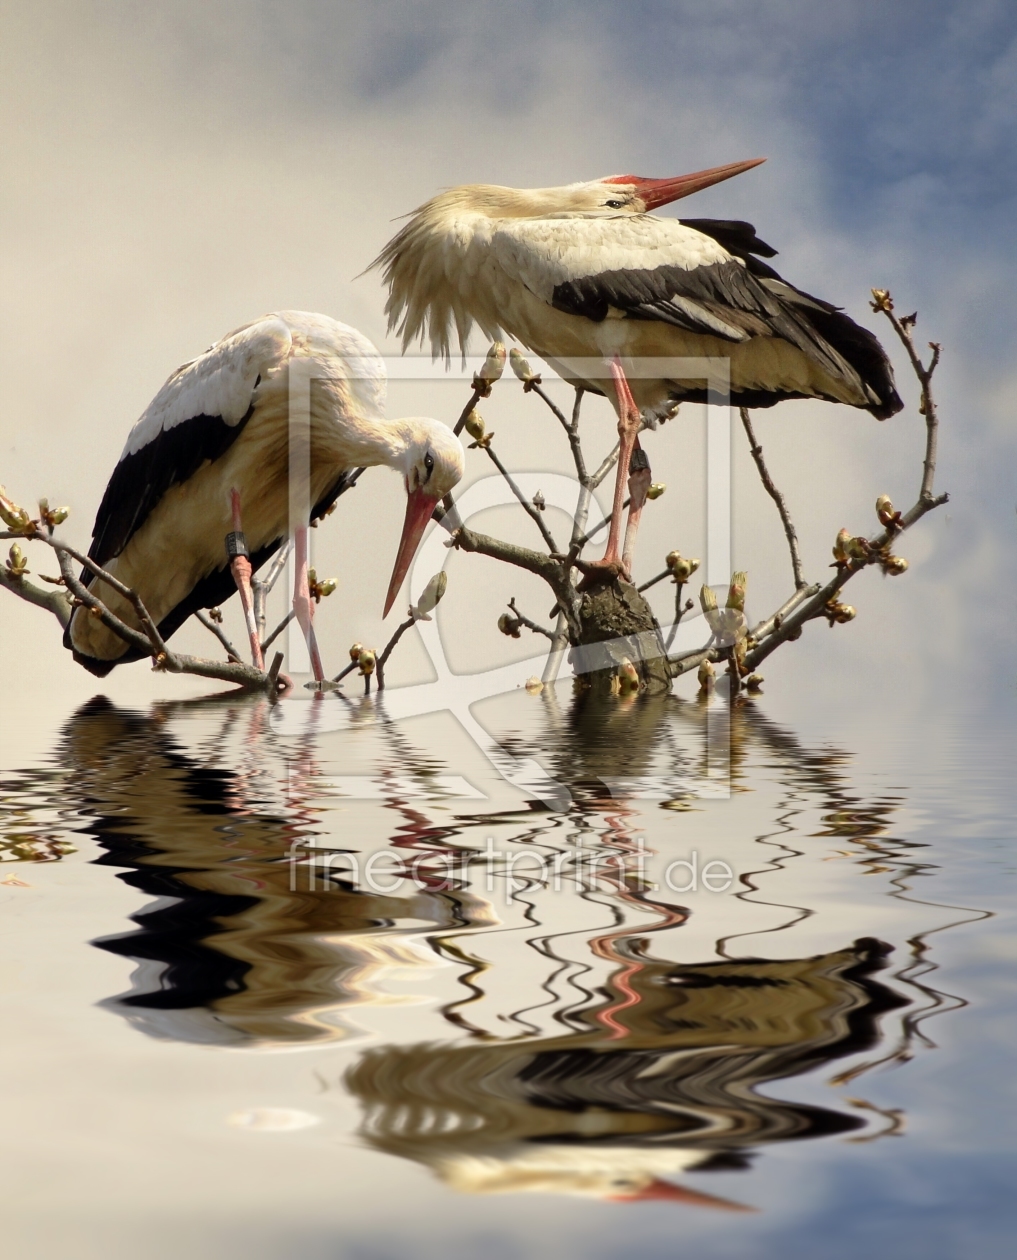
<point>616,623</point>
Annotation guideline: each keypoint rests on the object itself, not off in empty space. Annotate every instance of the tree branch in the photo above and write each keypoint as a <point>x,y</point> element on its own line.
<point>219,633</point>
<point>530,625</point>
<point>54,601</point>
<point>383,659</point>
<point>785,517</point>
<point>528,507</point>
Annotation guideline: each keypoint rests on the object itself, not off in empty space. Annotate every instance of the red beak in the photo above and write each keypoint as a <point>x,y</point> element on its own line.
<point>659,1189</point>
<point>658,192</point>
<point>419,507</point>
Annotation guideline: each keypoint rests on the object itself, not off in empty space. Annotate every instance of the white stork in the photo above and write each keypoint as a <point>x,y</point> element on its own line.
<point>585,276</point>
<point>210,458</point>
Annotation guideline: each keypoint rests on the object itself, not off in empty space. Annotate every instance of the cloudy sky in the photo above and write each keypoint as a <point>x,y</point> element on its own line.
<point>174,170</point>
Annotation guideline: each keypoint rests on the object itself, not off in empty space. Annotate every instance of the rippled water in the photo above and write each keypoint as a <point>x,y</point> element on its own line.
<point>337,988</point>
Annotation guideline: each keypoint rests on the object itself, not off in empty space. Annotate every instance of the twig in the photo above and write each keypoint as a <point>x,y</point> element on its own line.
<point>785,516</point>
<point>262,587</point>
<point>400,630</point>
<point>55,601</point>
<point>474,399</point>
<point>247,676</point>
<point>653,581</point>
<point>536,389</point>
<point>62,549</point>
<point>120,628</point>
<point>928,404</point>
<point>531,625</point>
<point>278,630</point>
<point>679,613</point>
<point>528,507</point>
<point>219,633</point>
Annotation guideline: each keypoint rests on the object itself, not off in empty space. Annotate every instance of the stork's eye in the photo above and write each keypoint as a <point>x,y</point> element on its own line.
<point>429,465</point>
<point>615,205</point>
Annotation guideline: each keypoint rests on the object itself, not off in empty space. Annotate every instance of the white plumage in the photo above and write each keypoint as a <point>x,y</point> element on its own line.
<point>219,427</point>
<point>615,298</point>
<point>585,272</point>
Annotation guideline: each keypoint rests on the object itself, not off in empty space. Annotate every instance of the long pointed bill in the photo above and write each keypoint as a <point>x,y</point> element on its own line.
<point>419,507</point>
<point>666,1190</point>
<point>659,192</point>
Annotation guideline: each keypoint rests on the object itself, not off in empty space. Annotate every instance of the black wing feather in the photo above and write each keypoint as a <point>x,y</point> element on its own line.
<point>141,479</point>
<point>737,300</point>
<point>211,591</point>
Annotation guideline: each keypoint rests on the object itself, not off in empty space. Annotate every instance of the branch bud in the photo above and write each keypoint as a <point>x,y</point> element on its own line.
<point>885,511</point>
<point>881,300</point>
<point>355,651</point>
<point>656,489</point>
<point>840,547</point>
<point>52,516</point>
<point>17,565</point>
<point>707,599</point>
<point>14,517</point>
<point>706,675</point>
<point>492,369</point>
<point>894,566</point>
<point>476,428</point>
<point>539,502</point>
<point>319,590</point>
<point>522,368</point>
<point>430,597</point>
<point>366,661</point>
<point>534,686</point>
<point>754,682</point>
<point>509,625</point>
<point>736,591</point>
<point>681,568</point>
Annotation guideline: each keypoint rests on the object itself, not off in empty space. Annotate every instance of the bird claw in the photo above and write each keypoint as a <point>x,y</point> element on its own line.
<point>600,573</point>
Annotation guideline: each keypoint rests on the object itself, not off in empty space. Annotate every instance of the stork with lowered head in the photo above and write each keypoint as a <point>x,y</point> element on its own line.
<point>200,496</point>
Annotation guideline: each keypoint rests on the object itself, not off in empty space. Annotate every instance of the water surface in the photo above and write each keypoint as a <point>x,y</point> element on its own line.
<point>337,988</point>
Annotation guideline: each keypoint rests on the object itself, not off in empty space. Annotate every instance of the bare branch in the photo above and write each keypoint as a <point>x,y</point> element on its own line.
<point>653,581</point>
<point>387,652</point>
<point>219,633</point>
<point>123,631</point>
<point>54,601</point>
<point>522,557</point>
<point>157,644</point>
<point>785,516</point>
<point>530,625</point>
<point>536,389</point>
<point>528,507</point>
<point>476,396</point>
<point>278,630</point>
<point>679,613</point>
<point>927,408</point>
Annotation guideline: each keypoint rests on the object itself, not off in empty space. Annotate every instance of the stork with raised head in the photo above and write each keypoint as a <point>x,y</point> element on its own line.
<point>200,496</point>
<point>588,278</point>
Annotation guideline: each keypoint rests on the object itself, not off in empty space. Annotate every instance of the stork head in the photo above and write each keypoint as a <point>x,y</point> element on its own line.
<point>432,463</point>
<point>615,195</point>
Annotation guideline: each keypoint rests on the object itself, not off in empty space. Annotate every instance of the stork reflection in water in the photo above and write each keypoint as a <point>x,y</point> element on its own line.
<point>636,1069</point>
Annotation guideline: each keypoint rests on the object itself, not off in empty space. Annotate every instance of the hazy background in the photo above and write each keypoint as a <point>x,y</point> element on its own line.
<point>171,171</point>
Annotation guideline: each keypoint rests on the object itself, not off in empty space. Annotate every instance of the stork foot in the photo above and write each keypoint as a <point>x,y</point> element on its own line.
<point>600,572</point>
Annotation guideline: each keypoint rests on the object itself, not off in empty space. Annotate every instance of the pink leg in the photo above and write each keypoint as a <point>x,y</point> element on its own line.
<point>639,483</point>
<point>629,421</point>
<point>240,567</point>
<point>303,605</point>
